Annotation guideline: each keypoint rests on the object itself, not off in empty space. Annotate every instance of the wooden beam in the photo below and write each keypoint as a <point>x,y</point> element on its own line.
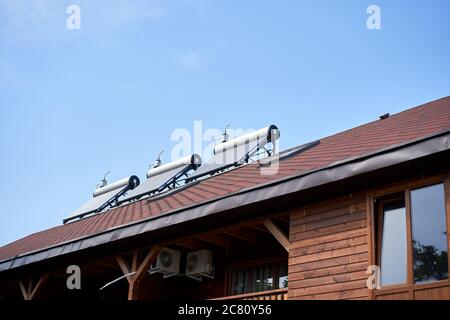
<point>30,292</point>
<point>138,269</point>
<point>124,267</point>
<point>277,233</point>
<point>216,240</point>
<point>285,219</point>
<point>38,286</point>
<point>146,263</point>
<point>24,290</point>
<point>30,288</point>
<point>134,262</point>
<point>189,243</point>
<point>109,265</point>
<point>248,223</point>
<point>245,235</point>
<point>217,236</point>
<point>223,242</point>
<point>260,228</point>
<point>133,291</point>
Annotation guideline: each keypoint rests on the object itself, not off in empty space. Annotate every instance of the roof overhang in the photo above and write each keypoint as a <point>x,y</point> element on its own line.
<point>340,170</point>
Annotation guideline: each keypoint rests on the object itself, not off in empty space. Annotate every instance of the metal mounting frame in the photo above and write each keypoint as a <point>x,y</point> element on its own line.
<point>110,203</point>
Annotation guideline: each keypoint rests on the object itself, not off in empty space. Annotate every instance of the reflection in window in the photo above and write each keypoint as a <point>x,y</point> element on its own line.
<point>283,277</point>
<point>393,245</point>
<point>429,234</point>
<point>260,278</point>
<point>263,278</point>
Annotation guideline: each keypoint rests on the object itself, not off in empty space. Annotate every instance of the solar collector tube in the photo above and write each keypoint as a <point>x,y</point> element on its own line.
<point>234,152</point>
<point>194,160</point>
<point>130,181</point>
<point>159,176</point>
<point>107,193</point>
<point>264,135</point>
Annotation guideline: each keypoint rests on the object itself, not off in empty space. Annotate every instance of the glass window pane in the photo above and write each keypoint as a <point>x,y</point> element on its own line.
<point>238,282</point>
<point>248,278</point>
<point>258,278</point>
<point>283,276</point>
<point>257,281</point>
<point>268,278</point>
<point>429,234</point>
<point>263,278</point>
<point>393,246</point>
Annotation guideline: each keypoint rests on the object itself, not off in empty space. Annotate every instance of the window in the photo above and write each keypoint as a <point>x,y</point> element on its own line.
<point>412,222</point>
<point>283,277</point>
<point>393,244</point>
<point>259,278</point>
<point>429,234</point>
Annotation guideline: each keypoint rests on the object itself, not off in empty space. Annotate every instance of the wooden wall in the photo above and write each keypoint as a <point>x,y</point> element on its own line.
<point>328,254</point>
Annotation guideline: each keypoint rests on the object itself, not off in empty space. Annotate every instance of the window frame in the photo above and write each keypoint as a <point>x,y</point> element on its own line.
<point>389,194</point>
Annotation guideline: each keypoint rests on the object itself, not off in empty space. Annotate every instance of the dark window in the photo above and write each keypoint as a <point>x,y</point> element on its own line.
<point>263,278</point>
<point>429,234</point>
<point>393,260</point>
<point>259,278</point>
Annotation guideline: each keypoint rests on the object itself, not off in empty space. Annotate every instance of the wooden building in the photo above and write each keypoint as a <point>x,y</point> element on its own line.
<point>372,201</point>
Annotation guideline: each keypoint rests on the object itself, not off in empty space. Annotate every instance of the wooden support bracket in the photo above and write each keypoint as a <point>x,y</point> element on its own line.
<point>139,269</point>
<point>28,291</point>
<point>277,233</point>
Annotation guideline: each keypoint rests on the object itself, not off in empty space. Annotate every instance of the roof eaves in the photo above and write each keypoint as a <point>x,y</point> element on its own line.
<point>213,205</point>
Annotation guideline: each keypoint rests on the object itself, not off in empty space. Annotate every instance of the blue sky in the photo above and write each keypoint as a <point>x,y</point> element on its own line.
<point>76,103</point>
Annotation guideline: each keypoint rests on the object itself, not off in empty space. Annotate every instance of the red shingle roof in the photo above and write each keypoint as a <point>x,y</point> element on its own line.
<point>399,128</point>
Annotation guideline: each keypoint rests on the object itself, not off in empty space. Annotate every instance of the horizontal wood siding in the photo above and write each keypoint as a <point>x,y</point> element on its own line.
<point>328,251</point>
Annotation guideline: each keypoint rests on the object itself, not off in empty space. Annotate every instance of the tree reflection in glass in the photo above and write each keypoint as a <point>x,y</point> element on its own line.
<point>429,234</point>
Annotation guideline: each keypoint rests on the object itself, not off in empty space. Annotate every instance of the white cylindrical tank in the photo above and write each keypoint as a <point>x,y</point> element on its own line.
<point>261,134</point>
<point>194,160</point>
<point>131,181</point>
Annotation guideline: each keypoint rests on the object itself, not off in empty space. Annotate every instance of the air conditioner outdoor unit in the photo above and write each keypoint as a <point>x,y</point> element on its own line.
<point>167,263</point>
<point>200,264</point>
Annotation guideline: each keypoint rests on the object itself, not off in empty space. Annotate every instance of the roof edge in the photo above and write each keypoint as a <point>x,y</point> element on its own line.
<point>364,163</point>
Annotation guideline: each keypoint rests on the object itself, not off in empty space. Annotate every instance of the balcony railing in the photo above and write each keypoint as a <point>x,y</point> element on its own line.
<point>278,294</point>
